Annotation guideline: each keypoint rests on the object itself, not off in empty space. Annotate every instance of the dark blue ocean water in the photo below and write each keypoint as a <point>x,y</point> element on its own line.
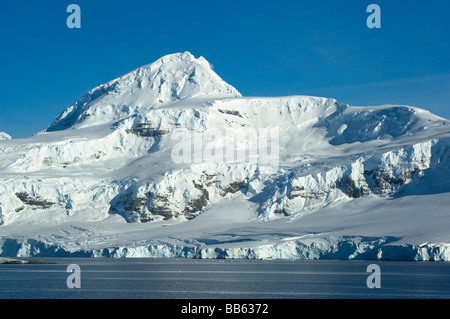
<point>223,279</point>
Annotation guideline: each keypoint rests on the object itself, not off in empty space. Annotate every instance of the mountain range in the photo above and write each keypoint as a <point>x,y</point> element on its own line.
<point>169,160</point>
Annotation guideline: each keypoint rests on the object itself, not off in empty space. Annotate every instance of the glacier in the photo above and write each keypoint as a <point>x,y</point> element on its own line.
<point>350,183</point>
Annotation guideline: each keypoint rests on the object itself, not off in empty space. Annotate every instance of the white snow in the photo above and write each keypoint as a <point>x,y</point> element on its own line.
<point>4,136</point>
<point>352,182</point>
<point>171,79</point>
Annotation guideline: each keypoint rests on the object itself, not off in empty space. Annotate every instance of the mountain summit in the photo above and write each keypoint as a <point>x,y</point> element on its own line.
<point>172,78</point>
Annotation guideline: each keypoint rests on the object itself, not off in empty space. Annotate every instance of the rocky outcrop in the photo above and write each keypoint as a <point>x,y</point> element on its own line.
<point>34,202</point>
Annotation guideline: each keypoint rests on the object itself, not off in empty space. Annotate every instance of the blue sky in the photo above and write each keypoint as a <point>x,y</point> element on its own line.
<point>263,48</point>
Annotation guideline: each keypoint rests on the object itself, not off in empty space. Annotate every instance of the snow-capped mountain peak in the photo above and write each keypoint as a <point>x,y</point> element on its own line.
<point>169,79</point>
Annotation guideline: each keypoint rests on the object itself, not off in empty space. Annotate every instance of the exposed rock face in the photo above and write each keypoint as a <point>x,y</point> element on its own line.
<point>35,203</point>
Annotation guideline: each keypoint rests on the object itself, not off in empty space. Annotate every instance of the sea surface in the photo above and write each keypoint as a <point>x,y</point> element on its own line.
<point>222,279</point>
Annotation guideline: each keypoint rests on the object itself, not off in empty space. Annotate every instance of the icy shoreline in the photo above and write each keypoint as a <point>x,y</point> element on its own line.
<point>14,261</point>
<point>310,248</point>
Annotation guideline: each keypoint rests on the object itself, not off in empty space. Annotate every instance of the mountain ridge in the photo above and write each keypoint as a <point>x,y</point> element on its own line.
<point>169,79</point>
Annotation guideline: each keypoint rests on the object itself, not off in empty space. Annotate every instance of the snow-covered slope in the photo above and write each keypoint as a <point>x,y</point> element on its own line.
<point>4,136</point>
<point>106,178</point>
<point>168,80</point>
